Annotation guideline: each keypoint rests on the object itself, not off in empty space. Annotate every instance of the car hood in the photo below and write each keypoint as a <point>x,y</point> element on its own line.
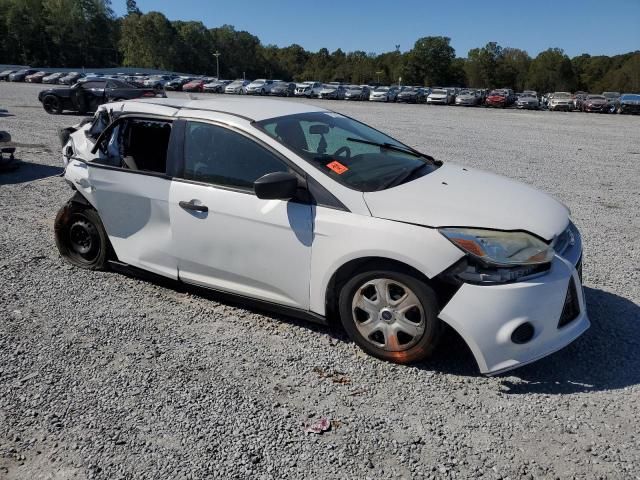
<point>453,196</point>
<point>58,92</point>
<point>597,101</point>
<point>438,95</point>
<point>465,97</point>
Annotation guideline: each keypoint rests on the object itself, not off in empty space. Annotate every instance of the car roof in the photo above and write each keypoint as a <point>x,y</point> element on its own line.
<point>247,108</point>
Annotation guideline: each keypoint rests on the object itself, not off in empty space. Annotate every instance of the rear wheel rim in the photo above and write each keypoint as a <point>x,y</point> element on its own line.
<point>84,240</point>
<point>388,314</point>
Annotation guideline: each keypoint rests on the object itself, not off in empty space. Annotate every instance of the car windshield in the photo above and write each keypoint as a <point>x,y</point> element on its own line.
<point>466,92</point>
<point>236,83</point>
<point>438,91</point>
<point>611,94</point>
<point>348,151</point>
<point>382,89</point>
<point>596,97</point>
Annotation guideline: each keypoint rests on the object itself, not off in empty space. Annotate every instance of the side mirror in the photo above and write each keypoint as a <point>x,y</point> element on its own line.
<point>276,186</point>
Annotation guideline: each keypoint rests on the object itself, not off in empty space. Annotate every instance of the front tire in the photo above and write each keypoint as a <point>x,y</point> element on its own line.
<point>81,238</point>
<point>391,315</point>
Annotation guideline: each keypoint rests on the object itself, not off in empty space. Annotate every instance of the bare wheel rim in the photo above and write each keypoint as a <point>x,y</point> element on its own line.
<point>388,314</point>
<point>84,240</point>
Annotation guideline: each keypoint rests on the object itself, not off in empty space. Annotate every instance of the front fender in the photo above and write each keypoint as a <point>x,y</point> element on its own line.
<point>340,237</point>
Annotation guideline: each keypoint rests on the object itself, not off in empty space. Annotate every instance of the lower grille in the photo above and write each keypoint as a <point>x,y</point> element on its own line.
<point>571,308</point>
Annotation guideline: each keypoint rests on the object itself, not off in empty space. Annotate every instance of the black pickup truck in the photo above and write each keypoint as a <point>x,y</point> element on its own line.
<point>86,95</point>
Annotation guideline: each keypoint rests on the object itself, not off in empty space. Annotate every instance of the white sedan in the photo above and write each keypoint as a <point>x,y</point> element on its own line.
<point>306,210</point>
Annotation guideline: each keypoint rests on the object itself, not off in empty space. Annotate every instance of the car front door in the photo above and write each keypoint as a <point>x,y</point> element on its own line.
<point>224,236</point>
<point>90,95</point>
<point>130,188</point>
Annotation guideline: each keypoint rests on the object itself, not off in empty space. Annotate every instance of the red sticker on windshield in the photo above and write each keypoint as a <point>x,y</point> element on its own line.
<point>337,167</point>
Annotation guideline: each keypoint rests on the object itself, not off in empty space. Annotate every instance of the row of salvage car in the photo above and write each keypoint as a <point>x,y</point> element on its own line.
<point>607,102</point>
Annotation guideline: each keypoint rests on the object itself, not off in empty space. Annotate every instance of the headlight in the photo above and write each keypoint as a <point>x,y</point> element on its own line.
<point>501,249</point>
<point>497,257</point>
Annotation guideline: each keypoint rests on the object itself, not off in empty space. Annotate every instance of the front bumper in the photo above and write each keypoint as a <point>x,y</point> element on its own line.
<point>382,98</point>
<point>486,316</point>
<point>630,108</point>
<point>440,101</point>
<point>567,107</point>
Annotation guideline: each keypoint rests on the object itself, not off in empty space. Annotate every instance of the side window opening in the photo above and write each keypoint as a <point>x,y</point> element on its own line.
<point>138,144</point>
<point>144,145</point>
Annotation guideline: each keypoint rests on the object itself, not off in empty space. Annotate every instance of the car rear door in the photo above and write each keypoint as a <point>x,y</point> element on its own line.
<point>224,236</point>
<point>129,186</point>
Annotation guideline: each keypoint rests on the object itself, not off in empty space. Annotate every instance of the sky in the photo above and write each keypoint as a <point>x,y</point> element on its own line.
<point>595,27</point>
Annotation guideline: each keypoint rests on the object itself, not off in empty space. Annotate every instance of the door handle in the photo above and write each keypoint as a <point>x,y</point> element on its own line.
<point>192,206</point>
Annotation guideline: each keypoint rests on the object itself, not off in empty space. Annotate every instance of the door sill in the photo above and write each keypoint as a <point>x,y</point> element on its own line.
<point>224,296</point>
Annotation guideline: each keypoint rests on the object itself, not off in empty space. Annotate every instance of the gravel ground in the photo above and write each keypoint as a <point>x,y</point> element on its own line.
<point>106,376</point>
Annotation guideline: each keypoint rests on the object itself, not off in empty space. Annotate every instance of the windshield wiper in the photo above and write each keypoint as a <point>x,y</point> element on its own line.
<point>390,146</point>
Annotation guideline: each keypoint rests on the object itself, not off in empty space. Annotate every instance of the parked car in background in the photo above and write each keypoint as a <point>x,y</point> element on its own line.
<point>283,89</point>
<point>88,94</point>
<point>412,95</point>
<point>53,78</point>
<point>383,94</point>
<point>20,75</point>
<point>439,96</point>
<point>468,98</point>
<point>578,98</point>
<point>356,92</point>
<point>260,87</point>
<point>561,101</point>
<point>332,91</point>
<point>217,86</point>
<point>613,98</point>
<point>308,89</point>
<point>4,75</point>
<point>497,98</point>
<point>35,77</point>
<point>316,196</point>
<point>595,103</point>
<point>70,78</point>
<point>157,81</point>
<point>176,84</point>
<point>237,87</point>
<point>196,85</point>
<point>528,101</point>
<point>629,103</point>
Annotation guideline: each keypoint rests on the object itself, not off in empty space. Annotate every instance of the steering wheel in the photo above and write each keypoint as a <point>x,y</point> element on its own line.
<point>342,150</point>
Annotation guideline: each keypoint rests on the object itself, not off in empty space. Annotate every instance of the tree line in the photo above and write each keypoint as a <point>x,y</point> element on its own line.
<point>87,33</point>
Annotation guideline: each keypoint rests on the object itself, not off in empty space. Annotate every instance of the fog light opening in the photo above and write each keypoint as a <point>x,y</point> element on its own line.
<point>523,333</point>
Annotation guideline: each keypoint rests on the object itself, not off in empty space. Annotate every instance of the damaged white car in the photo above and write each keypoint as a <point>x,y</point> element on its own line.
<point>306,210</point>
